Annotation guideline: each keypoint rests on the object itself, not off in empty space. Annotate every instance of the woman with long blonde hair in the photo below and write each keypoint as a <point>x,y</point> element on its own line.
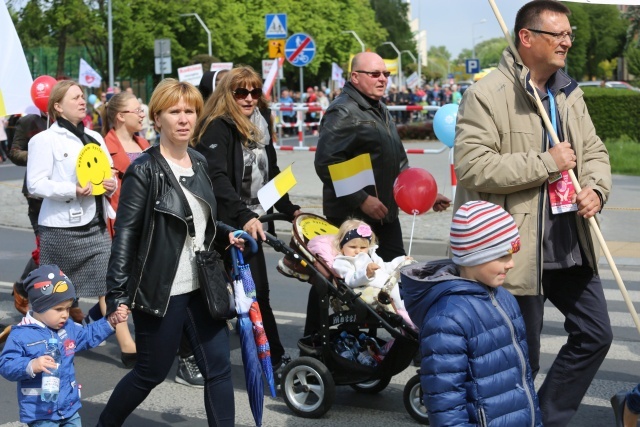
<point>234,135</point>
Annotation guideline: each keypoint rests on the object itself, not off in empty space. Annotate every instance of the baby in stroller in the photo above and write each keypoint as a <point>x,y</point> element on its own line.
<point>355,260</point>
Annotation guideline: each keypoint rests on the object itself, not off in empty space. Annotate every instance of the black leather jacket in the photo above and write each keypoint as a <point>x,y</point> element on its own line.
<point>350,127</point>
<point>150,231</point>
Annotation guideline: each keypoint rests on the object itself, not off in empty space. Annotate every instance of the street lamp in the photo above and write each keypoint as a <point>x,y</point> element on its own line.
<point>473,37</point>
<point>415,62</point>
<point>356,36</point>
<point>399,62</point>
<point>203,26</point>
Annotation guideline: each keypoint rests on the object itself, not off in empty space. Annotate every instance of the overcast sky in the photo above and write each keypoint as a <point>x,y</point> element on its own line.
<point>449,22</point>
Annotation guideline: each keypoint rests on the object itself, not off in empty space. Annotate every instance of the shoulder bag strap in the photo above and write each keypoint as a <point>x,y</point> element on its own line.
<point>162,162</point>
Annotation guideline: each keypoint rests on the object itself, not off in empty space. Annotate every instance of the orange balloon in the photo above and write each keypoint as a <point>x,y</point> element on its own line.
<point>40,91</point>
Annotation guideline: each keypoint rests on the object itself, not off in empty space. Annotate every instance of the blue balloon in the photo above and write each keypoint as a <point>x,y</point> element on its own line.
<point>92,99</point>
<point>444,123</point>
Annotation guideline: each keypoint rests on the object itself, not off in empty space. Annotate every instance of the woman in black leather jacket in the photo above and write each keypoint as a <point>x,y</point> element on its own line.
<point>152,267</point>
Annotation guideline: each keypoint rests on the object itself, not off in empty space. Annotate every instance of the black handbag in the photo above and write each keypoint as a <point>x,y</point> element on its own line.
<point>215,284</point>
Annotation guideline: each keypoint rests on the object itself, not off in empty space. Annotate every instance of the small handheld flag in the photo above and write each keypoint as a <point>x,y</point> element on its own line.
<point>276,188</point>
<point>352,175</point>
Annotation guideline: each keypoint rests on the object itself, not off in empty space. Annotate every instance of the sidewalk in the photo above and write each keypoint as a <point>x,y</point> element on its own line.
<point>431,229</point>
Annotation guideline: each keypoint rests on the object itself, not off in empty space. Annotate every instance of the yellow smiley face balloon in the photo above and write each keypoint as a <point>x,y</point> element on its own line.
<point>93,166</point>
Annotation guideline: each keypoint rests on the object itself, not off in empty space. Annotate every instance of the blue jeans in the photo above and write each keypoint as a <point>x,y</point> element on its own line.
<point>74,421</point>
<point>157,341</point>
<point>633,400</point>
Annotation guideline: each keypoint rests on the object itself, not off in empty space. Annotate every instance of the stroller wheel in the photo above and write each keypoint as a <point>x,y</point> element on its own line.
<point>307,387</point>
<point>412,398</point>
<point>372,387</point>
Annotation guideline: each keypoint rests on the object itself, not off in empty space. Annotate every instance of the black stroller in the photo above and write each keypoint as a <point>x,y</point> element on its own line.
<point>308,382</point>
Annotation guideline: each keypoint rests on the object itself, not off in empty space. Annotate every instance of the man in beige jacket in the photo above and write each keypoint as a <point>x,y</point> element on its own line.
<point>503,155</point>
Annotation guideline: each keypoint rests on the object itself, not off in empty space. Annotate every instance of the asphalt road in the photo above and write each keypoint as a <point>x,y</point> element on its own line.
<point>171,404</point>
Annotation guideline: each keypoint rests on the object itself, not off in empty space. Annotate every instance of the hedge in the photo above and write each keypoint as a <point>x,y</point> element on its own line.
<point>421,130</point>
<point>615,112</point>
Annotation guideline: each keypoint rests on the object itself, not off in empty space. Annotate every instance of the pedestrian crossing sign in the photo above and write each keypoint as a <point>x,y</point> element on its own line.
<point>276,25</point>
<point>276,48</point>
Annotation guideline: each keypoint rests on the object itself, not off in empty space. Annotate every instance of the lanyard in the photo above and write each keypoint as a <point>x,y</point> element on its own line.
<point>552,113</point>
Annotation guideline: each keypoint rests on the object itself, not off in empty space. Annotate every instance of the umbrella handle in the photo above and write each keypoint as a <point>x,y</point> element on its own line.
<point>248,240</point>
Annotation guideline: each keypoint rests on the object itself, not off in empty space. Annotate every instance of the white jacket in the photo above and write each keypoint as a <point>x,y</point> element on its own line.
<point>354,269</point>
<point>51,174</point>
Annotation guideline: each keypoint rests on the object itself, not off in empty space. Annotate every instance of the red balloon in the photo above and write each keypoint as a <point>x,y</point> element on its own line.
<point>40,91</point>
<point>415,191</point>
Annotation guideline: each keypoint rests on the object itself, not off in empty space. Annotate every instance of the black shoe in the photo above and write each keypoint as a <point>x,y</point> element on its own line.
<point>188,373</point>
<point>129,359</point>
<point>277,368</point>
<point>617,403</point>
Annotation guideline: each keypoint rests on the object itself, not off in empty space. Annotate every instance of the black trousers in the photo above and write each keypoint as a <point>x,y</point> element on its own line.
<point>578,294</point>
<point>390,246</point>
<point>157,340</point>
<point>258,266</point>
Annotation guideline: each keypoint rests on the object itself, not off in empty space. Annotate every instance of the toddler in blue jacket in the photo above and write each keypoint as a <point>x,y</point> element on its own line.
<point>51,294</point>
<point>474,368</point>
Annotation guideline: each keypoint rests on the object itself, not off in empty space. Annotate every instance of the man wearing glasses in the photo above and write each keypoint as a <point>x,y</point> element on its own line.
<point>504,155</point>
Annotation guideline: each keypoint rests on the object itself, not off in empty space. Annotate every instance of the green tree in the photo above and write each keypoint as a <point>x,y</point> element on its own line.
<point>237,31</point>
<point>392,16</point>
<point>581,27</point>
<point>633,31</point>
<point>490,51</point>
<point>632,54</point>
<point>608,35</point>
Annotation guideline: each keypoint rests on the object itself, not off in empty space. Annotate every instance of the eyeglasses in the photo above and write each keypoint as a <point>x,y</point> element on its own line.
<point>242,93</point>
<point>137,111</point>
<point>557,36</point>
<point>375,74</point>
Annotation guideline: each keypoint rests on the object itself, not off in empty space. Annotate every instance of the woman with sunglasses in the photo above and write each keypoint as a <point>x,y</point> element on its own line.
<point>234,135</point>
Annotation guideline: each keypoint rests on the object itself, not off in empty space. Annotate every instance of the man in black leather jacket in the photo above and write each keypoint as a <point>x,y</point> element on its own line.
<point>357,122</point>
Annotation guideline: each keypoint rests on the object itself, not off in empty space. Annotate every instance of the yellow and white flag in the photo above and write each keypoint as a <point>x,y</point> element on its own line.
<point>276,188</point>
<point>15,77</point>
<point>352,175</point>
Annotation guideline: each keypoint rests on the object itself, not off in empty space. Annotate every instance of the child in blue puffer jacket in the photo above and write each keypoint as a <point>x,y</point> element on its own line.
<point>51,294</point>
<point>474,369</point>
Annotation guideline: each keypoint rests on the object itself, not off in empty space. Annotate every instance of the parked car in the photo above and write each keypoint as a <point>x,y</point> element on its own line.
<point>614,84</point>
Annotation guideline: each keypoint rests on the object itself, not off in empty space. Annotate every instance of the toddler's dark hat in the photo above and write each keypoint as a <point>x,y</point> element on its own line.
<point>47,286</point>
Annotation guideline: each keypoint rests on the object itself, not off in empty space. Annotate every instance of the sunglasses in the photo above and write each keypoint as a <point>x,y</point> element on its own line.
<point>375,74</point>
<point>242,93</point>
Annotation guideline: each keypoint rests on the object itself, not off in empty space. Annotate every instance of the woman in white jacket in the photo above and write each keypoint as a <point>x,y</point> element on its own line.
<point>73,234</point>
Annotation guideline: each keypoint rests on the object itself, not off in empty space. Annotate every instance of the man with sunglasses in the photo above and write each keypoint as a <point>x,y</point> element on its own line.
<point>504,155</point>
<point>355,123</point>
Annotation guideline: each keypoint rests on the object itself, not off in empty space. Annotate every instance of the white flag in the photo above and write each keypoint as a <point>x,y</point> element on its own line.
<point>15,76</point>
<point>271,77</point>
<point>88,76</point>
<point>336,72</point>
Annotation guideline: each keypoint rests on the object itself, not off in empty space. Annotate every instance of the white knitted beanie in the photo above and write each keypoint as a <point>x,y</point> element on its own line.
<point>482,232</point>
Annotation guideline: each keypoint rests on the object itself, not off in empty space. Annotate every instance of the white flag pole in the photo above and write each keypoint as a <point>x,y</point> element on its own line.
<point>574,180</point>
